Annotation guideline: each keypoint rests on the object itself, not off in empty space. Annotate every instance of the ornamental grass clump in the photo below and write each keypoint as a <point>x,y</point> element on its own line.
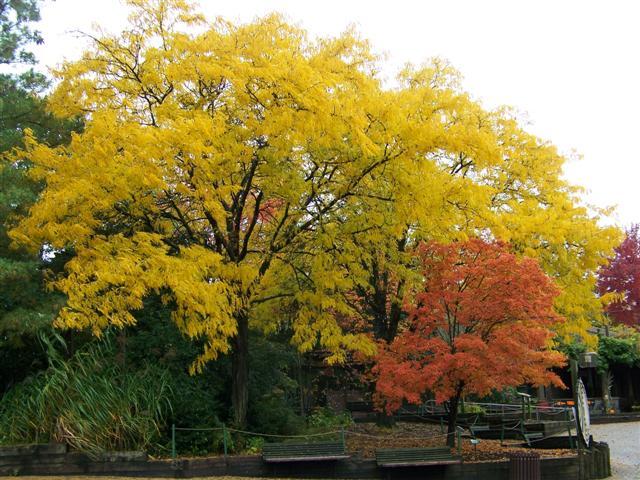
<point>89,402</point>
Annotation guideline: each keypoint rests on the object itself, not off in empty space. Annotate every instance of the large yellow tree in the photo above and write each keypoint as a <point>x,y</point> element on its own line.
<point>206,159</point>
<point>238,167</point>
<point>208,162</point>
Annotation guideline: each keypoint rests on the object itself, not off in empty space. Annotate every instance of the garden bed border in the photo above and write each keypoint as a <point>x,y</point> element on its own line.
<point>55,460</point>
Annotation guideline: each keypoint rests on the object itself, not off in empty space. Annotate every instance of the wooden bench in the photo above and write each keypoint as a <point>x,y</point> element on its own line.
<point>415,457</point>
<point>303,452</point>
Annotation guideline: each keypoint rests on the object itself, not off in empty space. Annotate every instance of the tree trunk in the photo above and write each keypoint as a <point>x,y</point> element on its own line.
<point>542,397</point>
<point>240,371</point>
<point>395,313</point>
<point>453,417</point>
<point>385,321</point>
<point>384,419</point>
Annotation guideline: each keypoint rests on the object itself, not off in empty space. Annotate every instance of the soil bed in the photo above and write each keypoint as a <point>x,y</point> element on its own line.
<point>364,438</point>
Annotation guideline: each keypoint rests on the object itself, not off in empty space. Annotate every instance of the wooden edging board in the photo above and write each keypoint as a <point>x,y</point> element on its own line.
<point>254,466</point>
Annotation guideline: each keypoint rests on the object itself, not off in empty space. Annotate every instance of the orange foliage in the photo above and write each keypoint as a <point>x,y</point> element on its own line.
<point>480,321</point>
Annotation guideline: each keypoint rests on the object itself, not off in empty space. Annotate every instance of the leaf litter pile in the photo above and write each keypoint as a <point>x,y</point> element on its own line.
<point>364,438</point>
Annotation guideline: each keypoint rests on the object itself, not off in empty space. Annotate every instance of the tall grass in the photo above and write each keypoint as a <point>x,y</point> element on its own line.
<point>89,402</point>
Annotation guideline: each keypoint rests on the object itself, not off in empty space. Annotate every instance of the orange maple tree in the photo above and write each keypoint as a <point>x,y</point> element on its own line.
<point>479,321</point>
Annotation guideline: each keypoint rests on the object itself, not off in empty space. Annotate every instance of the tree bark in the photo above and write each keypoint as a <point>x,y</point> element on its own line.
<point>542,397</point>
<point>240,371</point>
<point>453,418</point>
<point>385,320</point>
<point>384,419</point>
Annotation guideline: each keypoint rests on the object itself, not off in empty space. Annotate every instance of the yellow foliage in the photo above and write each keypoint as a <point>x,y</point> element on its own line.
<point>246,171</point>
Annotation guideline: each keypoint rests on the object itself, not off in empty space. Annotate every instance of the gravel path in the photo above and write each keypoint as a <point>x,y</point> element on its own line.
<point>624,442</point>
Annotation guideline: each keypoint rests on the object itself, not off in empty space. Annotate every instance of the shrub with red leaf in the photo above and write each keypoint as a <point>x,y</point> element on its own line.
<point>622,276</point>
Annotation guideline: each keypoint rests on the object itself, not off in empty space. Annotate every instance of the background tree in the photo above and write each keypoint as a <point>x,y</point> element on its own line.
<point>622,277</point>
<point>485,176</point>
<point>25,307</point>
<point>480,321</point>
<point>16,31</point>
<point>622,353</point>
<point>517,194</point>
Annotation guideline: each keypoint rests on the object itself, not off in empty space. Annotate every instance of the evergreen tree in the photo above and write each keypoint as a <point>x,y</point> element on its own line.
<point>25,306</point>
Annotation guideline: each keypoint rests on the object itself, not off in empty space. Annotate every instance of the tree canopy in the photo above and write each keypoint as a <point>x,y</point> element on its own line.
<point>618,350</point>
<point>621,278</point>
<point>253,177</point>
<point>16,31</point>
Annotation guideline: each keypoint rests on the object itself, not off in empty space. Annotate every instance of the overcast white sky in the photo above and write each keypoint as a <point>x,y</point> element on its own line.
<point>572,66</point>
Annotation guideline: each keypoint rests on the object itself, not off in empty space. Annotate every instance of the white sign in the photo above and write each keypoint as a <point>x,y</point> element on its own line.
<point>583,411</point>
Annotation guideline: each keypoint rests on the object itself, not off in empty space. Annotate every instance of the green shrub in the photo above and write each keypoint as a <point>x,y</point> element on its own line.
<point>272,390</point>
<point>467,408</point>
<point>323,418</point>
<point>198,401</point>
<point>273,415</point>
<point>254,445</point>
<point>618,351</point>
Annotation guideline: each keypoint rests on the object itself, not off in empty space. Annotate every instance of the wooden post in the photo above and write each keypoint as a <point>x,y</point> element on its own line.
<point>567,418</point>
<point>224,440</point>
<point>173,441</point>
<point>606,392</point>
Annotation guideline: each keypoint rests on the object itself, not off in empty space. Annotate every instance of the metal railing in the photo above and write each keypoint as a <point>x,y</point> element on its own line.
<point>529,410</point>
<point>342,434</point>
<point>512,417</point>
